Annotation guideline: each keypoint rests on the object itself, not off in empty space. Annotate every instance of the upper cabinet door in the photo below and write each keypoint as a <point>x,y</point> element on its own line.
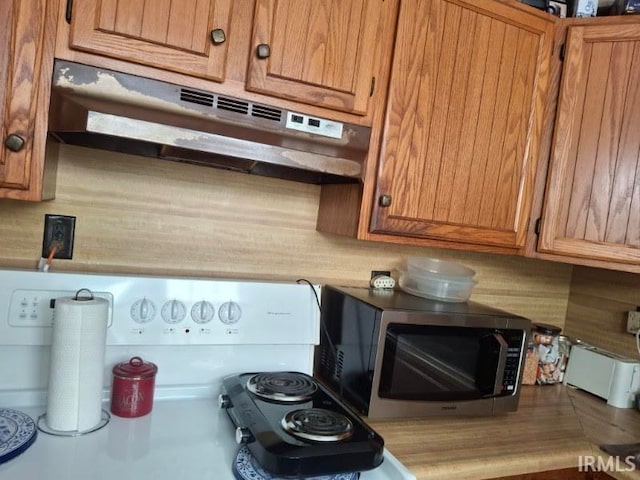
<point>315,51</point>
<point>592,205</point>
<point>185,36</point>
<point>26,42</point>
<point>463,123</point>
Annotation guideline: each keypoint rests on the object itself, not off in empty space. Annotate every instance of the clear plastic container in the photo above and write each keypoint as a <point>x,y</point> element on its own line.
<point>447,290</point>
<point>426,267</point>
<point>437,279</point>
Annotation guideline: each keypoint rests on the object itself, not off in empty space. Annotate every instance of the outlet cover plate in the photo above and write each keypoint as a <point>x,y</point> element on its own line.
<point>633,322</point>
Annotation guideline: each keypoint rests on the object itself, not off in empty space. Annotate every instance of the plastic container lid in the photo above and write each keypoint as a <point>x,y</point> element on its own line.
<point>434,288</point>
<point>439,268</point>
<point>135,368</point>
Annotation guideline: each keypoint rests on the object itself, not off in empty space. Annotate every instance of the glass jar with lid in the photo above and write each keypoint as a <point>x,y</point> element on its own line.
<point>545,344</point>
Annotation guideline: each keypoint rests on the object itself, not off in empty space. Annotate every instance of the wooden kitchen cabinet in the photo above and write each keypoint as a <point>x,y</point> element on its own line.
<point>186,36</point>
<point>319,52</point>
<point>592,200</point>
<point>463,124</point>
<point>27,32</point>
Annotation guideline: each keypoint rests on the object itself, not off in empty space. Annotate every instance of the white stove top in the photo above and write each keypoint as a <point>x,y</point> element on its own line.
<point>196,330</point>
<point>185,439</point>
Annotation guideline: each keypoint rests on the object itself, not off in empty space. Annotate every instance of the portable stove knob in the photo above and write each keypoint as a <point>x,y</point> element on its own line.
<point>243,435</point>
<point>224,401</point>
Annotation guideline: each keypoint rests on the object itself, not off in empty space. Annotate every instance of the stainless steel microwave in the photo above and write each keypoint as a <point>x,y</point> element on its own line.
<point>391,354</point>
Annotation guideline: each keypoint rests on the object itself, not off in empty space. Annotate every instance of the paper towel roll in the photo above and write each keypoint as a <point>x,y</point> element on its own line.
<point>76,375</point>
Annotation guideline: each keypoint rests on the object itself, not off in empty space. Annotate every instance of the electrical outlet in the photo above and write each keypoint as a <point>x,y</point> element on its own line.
<point>633,322</point>
<point>383,281</point>
<point>58,231</point>
<point>377,273</point>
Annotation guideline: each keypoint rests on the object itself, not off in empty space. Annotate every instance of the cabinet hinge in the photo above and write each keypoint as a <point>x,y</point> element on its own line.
<point>563,49</point>
<point>67,13</point>
<point>373,86</point>
<point>538,226</point>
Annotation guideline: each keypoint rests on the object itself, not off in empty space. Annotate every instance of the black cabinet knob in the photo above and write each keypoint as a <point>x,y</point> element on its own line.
<point>263,51</point>
<point>218,36</point>
<point>14,142</point>
<point>384,200</point>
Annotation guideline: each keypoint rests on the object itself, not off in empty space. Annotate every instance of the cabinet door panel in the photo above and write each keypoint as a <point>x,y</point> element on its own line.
<point>463,122</point>
<point>20,71</point>
<point>169,34</point>
<point>593,194</point>
<point>321,51</point>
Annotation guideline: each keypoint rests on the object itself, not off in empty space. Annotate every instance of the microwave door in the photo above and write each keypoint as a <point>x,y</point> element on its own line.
<point>492,363</point>
<point>442,363</point>
<point>422,368</point>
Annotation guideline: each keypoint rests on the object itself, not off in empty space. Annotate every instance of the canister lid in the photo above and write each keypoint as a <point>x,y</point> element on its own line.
<point>135,368</point>
<point>546,329</point>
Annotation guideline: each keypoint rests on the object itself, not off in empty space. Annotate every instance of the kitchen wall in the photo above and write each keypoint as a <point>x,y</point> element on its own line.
<point>138,215</point>
<point>598,304</point>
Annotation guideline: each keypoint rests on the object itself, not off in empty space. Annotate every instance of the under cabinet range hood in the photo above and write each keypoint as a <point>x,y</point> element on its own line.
<point>100,108</point>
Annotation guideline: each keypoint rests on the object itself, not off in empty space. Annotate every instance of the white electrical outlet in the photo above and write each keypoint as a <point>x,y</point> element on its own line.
<point>383,281</point>
<point>633,322</point>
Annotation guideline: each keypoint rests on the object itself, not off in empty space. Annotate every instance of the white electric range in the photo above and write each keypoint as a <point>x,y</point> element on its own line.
<point>197,331</point>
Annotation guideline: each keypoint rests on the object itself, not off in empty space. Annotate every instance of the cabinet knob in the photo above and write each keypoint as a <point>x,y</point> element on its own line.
<point>14,142</point>
<point>218,36</point>
<point>384,200</point>
<point>263,51</point>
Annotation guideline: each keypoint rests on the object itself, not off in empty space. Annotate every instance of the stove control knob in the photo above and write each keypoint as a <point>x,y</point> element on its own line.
<point>202,312</point>
<point>224,401</point>
<point>143,311</point>
<point>173,311</point>
<point>243,435</point>
<point>229,313</point>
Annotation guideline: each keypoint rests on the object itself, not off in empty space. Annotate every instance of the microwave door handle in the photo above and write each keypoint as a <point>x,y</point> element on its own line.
<point>502,363</point>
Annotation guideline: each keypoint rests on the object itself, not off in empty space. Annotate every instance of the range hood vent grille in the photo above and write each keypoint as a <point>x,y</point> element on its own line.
<point>194,96</point>
<point>268,113</point>
<point>232,105</point>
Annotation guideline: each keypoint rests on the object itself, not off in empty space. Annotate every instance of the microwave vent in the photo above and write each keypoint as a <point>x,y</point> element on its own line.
<point>194,96</point>
<point>339,364</point>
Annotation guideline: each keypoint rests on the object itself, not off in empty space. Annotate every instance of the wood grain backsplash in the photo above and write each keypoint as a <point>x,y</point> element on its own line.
<point>598,306</point>
<point>139,215</point>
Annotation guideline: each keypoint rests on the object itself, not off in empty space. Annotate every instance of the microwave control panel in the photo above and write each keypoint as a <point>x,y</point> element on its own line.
<point>515,357</point>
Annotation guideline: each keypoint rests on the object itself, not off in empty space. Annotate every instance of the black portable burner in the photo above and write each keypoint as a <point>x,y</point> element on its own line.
<point>293,426</point>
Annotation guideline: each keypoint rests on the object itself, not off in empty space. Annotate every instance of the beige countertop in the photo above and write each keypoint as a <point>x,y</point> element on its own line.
<point>553,427</point>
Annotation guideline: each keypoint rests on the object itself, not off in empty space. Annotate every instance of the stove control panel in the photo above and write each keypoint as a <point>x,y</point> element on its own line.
<point>162,311</point>
<point>34,308</point>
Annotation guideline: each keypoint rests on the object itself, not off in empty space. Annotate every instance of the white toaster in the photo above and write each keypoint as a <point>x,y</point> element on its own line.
<point>605,374</point>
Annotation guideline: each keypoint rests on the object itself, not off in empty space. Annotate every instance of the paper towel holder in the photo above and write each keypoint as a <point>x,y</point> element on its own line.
<point>43,427</point>
<point>79,298</point>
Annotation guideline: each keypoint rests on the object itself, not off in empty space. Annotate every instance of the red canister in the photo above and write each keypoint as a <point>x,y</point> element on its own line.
<point>132,388</point>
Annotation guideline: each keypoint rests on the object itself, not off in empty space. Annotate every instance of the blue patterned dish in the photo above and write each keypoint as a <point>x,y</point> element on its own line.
<point>17,433</point>
<point>245,467</point>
